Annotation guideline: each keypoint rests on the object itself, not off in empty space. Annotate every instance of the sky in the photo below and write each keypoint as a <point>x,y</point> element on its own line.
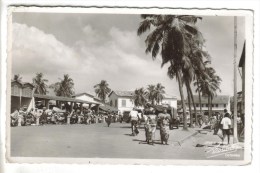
<point>95,47</point>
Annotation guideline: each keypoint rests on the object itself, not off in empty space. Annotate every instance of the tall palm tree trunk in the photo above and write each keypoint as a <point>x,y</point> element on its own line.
<point>194,106</point>
<point>185,127</point>
<point>189,104</point>
<point>209,105</point>
<point>199,98</point>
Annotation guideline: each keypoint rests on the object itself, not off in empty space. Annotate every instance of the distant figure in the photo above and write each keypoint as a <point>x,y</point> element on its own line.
<point>120,117</point>
<point>134,121</point>
<point>108,119</point>
<point>226,125</point>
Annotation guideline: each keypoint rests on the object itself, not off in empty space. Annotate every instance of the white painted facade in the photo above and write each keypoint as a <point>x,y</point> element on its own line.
<point>87,97</point>
<point>170,101</point>
<point>123,104</point>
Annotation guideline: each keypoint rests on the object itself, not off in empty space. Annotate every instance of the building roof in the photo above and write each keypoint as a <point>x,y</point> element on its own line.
<point>167,96</point>
<point>220,99</point>
<point>21,83</point>
<point>85,93</point>
<point>88,94</point>
<point>242,58</point>
<point>123,93</point>
<point>59,98</point>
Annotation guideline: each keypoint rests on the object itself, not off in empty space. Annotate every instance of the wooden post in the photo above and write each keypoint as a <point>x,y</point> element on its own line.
<point>235,139</point>
<point>81,107</point>
<point>71,106</point>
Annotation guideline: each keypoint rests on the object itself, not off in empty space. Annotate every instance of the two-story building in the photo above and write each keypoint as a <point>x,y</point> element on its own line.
<point>122,100</point>
<point>219,103</point>
<point>169,100</point>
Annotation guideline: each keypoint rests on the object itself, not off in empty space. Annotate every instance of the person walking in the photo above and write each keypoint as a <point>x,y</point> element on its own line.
<point>226,125</point>
<point>134,121</point>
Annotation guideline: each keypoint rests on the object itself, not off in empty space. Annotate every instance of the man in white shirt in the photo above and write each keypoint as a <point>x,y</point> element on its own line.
<point>226,125</point>
<point>134,121</point>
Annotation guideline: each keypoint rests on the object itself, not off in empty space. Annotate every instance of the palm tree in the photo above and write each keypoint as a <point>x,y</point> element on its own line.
<point>172,35</point>
<point>102,90</point>
<point>139,97</point>
<point>209,85</point>
<point>17,78</point>
<point>150,93</point>
<point>40,84</point>
<point>159,93</point>
<point>65,87</point>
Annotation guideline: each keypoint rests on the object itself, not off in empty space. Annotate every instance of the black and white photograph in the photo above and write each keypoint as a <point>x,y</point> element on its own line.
<point>126,84</point>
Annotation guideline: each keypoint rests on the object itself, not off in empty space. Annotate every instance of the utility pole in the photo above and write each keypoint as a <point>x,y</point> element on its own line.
<point>235,140</point>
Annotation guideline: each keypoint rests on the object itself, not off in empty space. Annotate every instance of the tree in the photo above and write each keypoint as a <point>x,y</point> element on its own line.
<point>139,97</point>
<point>209,84</point>
<point>40,84</point>
<point>65,87</point>
<point>150,93</point>
<point>159,93</point>
<point>172,36</point>
<point>17,78</point>
<point>102,90</point>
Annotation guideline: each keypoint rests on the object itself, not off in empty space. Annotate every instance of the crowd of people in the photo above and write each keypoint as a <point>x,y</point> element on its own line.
<point>22,117</point>
<point>151,120</point>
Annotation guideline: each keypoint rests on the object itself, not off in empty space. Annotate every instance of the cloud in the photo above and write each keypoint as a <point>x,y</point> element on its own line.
<point>116,56</point>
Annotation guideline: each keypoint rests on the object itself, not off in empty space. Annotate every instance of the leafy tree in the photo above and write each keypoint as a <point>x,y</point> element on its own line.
<point>139,97</point>
<point>175,36</point>
<point>159,93</point>
<point>17,78</point>
<point>150,93</point>
<point>40,84</point>
<point>65,87</point>
<point>102,90</point>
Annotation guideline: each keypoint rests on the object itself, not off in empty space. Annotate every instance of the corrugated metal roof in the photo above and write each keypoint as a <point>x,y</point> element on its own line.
<point>220,99</point>
<point>123,93</point>
<point>59,98</point>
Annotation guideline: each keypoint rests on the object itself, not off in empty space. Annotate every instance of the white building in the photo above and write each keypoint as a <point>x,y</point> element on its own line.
<point>219,103</point>
<point>122,100</point>
<point>169,100</point>
<point>88,97</point>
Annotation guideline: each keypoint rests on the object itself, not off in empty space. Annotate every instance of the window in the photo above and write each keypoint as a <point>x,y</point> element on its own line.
<point>216,105</point>
<point>197,105</point>
<point>115,103</point>
<point>202,105</point>
<point>225,105</point>
<point>111,103</point>
<point>123,103</point>
<point>207,105</point>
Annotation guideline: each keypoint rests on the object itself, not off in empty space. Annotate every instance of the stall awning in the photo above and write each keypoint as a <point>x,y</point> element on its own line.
<point>108,108</point>
<point>64,99</point>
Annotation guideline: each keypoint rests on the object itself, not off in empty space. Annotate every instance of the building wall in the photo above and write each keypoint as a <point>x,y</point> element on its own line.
<point>220,107</point>
<point>170,101</point>
<point>15,103</point>
<point>117,102</point>
<point>85,98</point>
